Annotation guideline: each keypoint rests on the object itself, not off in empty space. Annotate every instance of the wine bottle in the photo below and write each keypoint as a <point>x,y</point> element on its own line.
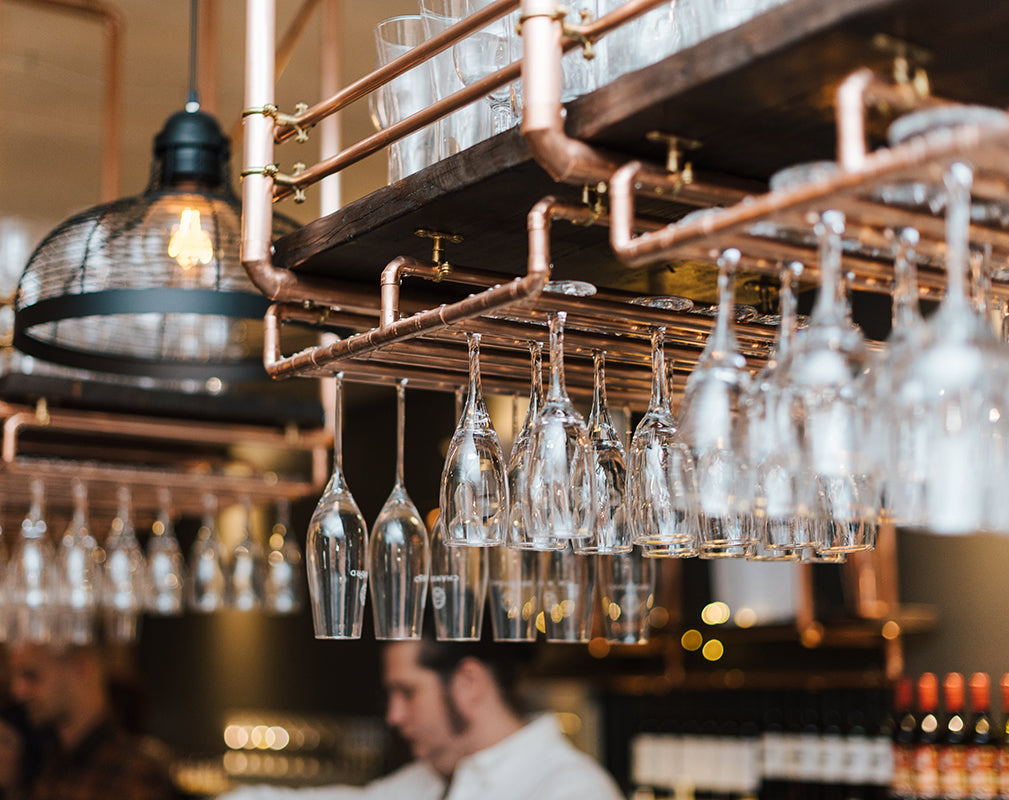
<point>927,737</point>
<point>953,740</point>
<point>902,786</point>
<point>982,741</point>
<point>1003,750</point>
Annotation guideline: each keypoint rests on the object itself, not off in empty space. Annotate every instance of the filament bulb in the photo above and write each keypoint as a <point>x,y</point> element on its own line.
<point>190,244</point>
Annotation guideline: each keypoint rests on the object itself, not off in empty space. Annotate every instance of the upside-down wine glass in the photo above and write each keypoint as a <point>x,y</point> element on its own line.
<point>247,576</point>
<point>284,589</point>
<point>520,535</point>
<point>29,575</point>
<point>837,491</point>
<point>208,583</point>
<point>711,433</point>
<point>773,438</point>
<point>612,534</point>
<point>485,52</point>
<point>458,587</point>
<point>166,567</point>
<point>122,586</point>
<point>657,496</point>
<point>561,464</point>
<point>337,547</point>
<point>77,575</point>
<point>400,553</point>
<point>474,480</point>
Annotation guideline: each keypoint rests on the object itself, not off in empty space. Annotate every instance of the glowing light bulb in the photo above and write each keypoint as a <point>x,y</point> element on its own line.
<point>190,244</point>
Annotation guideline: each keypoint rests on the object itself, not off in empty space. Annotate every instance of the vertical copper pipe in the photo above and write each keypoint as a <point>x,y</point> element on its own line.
<point>208,48</point>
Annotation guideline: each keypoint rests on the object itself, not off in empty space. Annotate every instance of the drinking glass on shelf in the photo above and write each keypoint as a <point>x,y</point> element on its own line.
<point>627,586</point>
<point>284,589</point>
<point>561,463</point>
<point>337,548</point>
<point>411,92</point>
<point>485,52</point>
<point>568,595</point>
<point>29,577</point>
<point>612,534</point>
<point>124,575</point>
<point>514,590</point>
<point>77,575</point>
<point>711,434</point>
<point>166,570</point>
<point>458,587</point>
<point>400,554</point>
<point>474,480</point>
<point>247,576</point>
<point>657,489</point>
<point>472,123</point>
<point>519,535</point>
<point>208,583</point>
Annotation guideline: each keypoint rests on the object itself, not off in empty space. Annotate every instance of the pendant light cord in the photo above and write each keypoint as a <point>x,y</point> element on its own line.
<point>193,98</point>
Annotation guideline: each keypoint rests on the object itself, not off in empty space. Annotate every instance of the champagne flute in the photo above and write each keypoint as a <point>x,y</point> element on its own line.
<point>337,547</point>
<point>561,463</point>
<point>514,589</point>
<point>474,481</point>
<point>400,555</point>
<point>29,576</point>
<point>284,590</point>
<point>458,587</point>
<point>208,582</point>
<point>519,534</point>
<point>77,575</point>
<point>612,534</point>
<point>122,596</point>
<point>166,569</point>
<point>247,577</point>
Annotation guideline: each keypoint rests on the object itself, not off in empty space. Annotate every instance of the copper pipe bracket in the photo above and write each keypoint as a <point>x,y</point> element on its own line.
<point>581,34</point>
<point>270,171</point>
<point>268,110</point>
<point>675,147</point>
<point>438,250</point>
<point>291,121</point>
<point>592,198</point>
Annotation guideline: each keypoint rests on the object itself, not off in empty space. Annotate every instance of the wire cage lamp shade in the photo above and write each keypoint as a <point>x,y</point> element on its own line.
<point>152,285</point>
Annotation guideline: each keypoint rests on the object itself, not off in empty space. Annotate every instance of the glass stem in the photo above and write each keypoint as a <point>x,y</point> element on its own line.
<point>475,391</point>
<point>830,228</point>
<point>338,424</point>
<point>123,512</point>
<point>38,498</point>
<point>905,279</point>
<point>786,307</point>
<point>557,390</point>
<point>400,430</point>
<point>536,373</point>
<point>726,299</point>
<point>959,179</point>
<point>659,395</point>
<point>598,384</point>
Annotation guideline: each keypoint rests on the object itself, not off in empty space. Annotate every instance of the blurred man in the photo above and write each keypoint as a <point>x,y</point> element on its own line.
<point>454,706</point>
<point>64,690</point>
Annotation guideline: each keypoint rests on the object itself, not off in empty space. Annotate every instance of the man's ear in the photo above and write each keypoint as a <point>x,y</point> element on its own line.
<point>470,683</point>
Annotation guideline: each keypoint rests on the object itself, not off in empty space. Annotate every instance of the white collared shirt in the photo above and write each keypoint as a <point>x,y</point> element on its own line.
<point>535,763</point>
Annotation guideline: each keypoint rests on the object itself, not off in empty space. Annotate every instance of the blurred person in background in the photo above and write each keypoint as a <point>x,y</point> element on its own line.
<point>454,703</point>
<point>86,754</point>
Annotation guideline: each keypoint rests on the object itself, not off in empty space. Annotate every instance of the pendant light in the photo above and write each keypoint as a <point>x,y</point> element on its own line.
<point>152,285</point>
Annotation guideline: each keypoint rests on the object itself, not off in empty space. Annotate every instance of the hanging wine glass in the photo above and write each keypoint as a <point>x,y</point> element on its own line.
<point>29,577</point>
<point>247,578</point>
<point>474,482</point>
<point>627,583</point>
<point>166,569</point>
<point>612,534</point>
<point>953,386</point>
<point>208,582</point>
<point>772,437</point>
<point>519,533</point>
<point>337,548</point>
<point>77,575</point>
<point>514,589</point>
<point>837,491</point>
<point>561,464</point>
<point>284,590</point>
<point>458,587</point>
<point>568,595</point>
<point>657,490</point>
<point>124,580</point>
<point>711,436</point>
<point>400,555</point>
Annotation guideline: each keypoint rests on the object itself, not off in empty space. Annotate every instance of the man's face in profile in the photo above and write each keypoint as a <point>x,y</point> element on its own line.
<point>421,709</point>
<point>39,678</point>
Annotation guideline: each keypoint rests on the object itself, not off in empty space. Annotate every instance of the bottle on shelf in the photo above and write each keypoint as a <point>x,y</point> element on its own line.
<point>953,740</point>
<point>902,785</point>
<point>1003,750</point>
<point>927,738</point>
<point>982,741</point>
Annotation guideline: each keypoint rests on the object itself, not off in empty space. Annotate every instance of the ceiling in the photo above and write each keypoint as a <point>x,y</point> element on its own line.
<point>52,80</point>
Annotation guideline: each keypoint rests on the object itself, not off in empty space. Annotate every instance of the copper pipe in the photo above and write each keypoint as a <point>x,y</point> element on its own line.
<point>112,23</point>
<point>208,49</point>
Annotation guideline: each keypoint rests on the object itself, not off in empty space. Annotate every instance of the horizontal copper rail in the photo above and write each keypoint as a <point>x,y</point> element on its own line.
<point>986,147</point>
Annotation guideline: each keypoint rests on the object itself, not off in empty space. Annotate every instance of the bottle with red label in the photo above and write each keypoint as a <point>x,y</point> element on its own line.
<point>927,739</point>
<point>982,742</point>
<point>1003,749</point>
<point>953,740</point>
<point>902,784</point>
